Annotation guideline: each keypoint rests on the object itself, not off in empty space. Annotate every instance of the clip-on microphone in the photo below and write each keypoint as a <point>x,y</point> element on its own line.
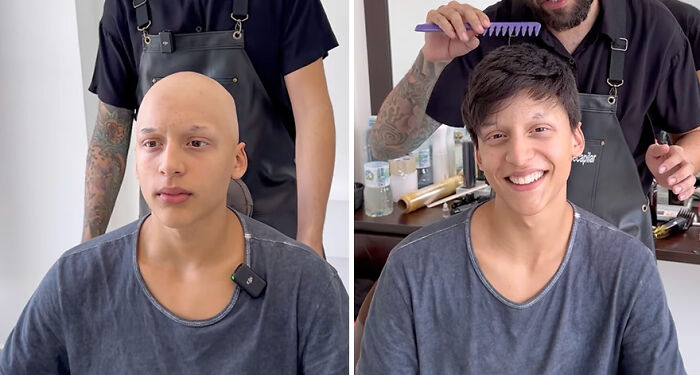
<point>248,280</point>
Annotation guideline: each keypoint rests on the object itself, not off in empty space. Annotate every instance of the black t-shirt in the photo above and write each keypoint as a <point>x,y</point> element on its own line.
<point>660,83</point>
<point>280,36</point>
<point>688,17</point>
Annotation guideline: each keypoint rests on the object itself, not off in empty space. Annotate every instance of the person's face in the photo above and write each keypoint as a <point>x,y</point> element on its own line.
<point>525,151</point>
<point>186,153</point>
<point>561,15</point>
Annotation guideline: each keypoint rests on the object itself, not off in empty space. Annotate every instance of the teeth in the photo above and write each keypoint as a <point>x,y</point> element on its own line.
<point>532,177</point>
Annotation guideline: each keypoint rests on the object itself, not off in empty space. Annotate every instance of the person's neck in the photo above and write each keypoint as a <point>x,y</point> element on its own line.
<point>572,37</point>
<point>526,239</point>
<point>212,240</point>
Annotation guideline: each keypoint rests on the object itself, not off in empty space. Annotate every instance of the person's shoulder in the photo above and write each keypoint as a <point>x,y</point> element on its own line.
<point>439,240</point>
<point>605,243</point>
<point>289,255</point>
<point>681,10</point>
<point>652,16</point>
<point>111,244</point>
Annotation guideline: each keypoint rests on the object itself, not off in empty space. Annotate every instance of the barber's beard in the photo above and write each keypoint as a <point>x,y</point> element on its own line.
<point>560,19</point>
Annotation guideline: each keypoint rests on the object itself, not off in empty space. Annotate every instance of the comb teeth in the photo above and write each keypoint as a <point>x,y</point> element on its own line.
<point>496,28</point>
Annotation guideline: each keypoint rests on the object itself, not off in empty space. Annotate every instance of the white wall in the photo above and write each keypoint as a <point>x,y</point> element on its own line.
<point>42,160</point>
<point>47,115</point>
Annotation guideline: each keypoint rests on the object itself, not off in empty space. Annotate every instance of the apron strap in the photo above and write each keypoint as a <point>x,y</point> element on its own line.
<point>143,15</point>
<point>618,47</point>
<point>240,9</point>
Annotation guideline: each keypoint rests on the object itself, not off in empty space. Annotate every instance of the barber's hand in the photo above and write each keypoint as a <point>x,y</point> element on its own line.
<point>456,39</point>
<point>672,169</point>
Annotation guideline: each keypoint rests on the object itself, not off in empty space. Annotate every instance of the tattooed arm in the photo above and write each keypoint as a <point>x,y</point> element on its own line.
<point>402,124</point>
<point>106,162</point>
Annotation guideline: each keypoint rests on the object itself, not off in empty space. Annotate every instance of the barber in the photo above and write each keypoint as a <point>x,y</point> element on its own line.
<point>631,61</point>
<point>268,55</point>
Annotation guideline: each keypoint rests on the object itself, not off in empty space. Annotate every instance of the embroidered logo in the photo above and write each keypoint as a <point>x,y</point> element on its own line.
<point>249,281</point>
<point>584,159</point>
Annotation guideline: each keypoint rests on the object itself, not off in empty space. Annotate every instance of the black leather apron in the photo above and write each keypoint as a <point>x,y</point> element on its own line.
<point>271,174</point>
<point>604,179</point>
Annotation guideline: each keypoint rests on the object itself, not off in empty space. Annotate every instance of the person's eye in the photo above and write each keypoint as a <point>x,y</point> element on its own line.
<point>198,143</point>
<point>150,144</point>
<point>540,129</point>
<point>495,136</point>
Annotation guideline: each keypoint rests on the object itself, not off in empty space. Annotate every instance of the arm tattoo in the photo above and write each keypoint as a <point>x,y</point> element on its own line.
<point>106,162</point>
<point>402,124</point>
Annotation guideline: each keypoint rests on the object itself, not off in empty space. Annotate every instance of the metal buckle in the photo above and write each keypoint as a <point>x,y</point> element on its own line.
<point>238,28</point>
<point>612,45</point>
<point>145,27</point>
<point>614,85</point>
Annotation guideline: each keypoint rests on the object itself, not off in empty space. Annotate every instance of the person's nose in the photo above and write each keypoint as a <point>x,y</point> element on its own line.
<point>172,161</point>
<point>520,151</point>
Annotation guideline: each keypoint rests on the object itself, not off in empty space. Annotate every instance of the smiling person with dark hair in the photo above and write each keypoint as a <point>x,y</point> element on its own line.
<point>633,68</point>
<point>526,283</point>
<point>157,296</point>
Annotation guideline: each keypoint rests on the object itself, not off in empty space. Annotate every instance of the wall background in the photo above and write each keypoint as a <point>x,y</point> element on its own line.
<point>681,281</point>
<point>47,117</point>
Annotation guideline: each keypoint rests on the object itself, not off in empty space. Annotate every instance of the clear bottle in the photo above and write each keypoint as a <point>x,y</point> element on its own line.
<point>459,140</point>
<point>368,149</point>
<point>423,165</point>
<point>377,193</point>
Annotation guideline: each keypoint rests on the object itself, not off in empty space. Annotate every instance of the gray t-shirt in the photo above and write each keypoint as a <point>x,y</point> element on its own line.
<point>603,312</point>
<point>93,314</point>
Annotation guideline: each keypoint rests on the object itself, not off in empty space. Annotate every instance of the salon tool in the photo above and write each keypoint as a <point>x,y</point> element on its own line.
<point>496,28</point>
<point>680,223</point>
<point>457,195</point>
<point>466,202</point>
<point>413,201</point>
<point>469,165</point>
<point>250,281</point>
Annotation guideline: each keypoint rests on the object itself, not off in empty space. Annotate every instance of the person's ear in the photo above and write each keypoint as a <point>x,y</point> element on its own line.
<point>240,164</point>
<point>578,141</point>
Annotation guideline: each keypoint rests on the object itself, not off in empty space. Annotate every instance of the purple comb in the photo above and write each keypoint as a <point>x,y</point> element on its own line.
<point>496,28</point>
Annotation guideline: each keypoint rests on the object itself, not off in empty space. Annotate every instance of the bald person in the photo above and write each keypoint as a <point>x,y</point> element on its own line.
<point>193,288</point>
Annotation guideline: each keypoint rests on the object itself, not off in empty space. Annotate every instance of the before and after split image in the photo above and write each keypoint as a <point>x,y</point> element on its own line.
<point>350,187</point>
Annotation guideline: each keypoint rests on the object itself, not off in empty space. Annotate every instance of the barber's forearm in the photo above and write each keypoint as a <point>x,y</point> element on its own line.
<point>402,124</point>
<point>691,146</point>
<point>315,158</point>
<point>105,166</point>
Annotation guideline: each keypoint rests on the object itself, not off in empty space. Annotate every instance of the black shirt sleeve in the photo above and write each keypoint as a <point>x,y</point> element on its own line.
<point>675,107</point>
<point>115,76</point>
<point>307,35</point>
<point>688,17</point>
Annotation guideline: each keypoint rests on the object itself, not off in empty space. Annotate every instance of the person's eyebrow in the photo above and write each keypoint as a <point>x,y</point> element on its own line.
<point>538,116</point>
<point>147,130</point>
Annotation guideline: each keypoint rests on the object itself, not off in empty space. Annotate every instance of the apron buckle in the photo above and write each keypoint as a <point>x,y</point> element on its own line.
<point>238,28</point>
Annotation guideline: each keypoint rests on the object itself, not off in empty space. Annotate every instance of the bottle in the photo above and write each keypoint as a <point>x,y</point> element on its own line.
<point>445,210</point>
<point>404,177</point>
<point>377,193</point>
<point>440,159</point>
<point>368,149</point>
<point>423,165</point>
<point>459,140</point>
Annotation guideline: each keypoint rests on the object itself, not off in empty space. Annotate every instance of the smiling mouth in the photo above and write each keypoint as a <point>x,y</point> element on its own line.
<point>527,179</point>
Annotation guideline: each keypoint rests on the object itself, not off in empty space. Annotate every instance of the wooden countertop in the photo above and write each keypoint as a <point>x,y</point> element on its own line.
<point>684,248</point>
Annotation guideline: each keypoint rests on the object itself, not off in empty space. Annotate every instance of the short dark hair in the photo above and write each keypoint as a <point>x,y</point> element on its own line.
<point>508,71</point>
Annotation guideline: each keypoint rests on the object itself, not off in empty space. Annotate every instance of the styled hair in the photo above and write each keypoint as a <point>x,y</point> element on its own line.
<point>511,70</point>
